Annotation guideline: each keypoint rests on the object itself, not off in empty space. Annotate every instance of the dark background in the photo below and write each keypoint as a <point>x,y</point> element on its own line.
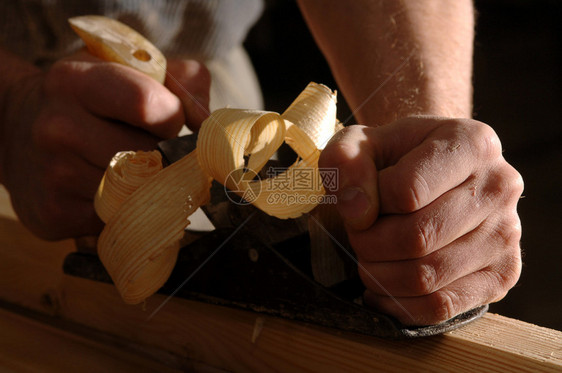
<point>518,91</point>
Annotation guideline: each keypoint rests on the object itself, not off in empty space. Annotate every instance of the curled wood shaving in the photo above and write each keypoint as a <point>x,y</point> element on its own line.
<point>114,41</point>
<point>146,208</point>
<point>127,171</point>
<point>139,244</point>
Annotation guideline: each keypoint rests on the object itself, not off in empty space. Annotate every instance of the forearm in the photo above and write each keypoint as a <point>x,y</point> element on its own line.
<point>394,59</point>
<point>12,70</point>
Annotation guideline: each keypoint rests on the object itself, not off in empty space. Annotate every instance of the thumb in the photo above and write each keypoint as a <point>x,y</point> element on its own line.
<point>357,194</point>
<point>190,81</point>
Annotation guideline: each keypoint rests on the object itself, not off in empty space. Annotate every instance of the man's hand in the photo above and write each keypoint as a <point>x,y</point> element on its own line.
<point>62,127</point>
<point>447,236</point>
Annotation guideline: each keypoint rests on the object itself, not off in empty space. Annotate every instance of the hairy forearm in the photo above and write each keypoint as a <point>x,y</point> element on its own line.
<point>12,71</point>
<point>396,58</point>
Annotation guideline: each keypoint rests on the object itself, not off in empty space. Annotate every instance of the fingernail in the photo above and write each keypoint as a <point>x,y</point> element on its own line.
<point>353,203</point>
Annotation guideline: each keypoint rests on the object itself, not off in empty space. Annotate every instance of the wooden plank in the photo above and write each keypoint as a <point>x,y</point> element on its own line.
<point>30,274</point>
<point>517,342</point>
<point>242,341</point>
<point>27,345</point>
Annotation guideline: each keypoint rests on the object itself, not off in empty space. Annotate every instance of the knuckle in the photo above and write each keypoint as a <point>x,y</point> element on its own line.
<point>499,287</point>
<point>514,184</point>
<point>142,100</point>
<point>513,232</point>
<point>514,271</point>
<point>506,234</point>
<point>137,94</point>
<point>50,131</point>
<point>418,192</point>
<point>519,184</point>
<point>194,75</point>
<point>443,306</point>
<point>158,109</point>
<point>483,139</point>
<point>504,273</point>
<point>423,279</point>
<point>341,147</point>
<point>505,185</point>
<point>335,153</point>
<point>509,270</point>
<point>497,295</point>
<point>420,240</point>
<point>410,191</point>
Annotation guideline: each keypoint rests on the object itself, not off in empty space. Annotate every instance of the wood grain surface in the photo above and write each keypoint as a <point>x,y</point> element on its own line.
<point>27,345</point>
<point>196,335</point>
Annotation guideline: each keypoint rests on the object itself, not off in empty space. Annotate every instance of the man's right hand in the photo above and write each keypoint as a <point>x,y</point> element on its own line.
<point>62,127</point>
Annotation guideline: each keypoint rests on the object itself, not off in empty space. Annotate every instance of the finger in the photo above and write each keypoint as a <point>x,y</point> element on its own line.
<point>417,277</point>
<point>449,153</point>
<point>111,90</point>
<point>457,212</point>
<point>357,195</point>
<point>75,218</point>
<point>94,139</point>
<point>106,139</point>
<point>59,213</point>
<point>191,82</point>
<point>71,175</point>
<point>482,287</point>
<point>416,235</point>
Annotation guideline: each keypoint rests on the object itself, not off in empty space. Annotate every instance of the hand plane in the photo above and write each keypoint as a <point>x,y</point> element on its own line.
<point>256,262</point>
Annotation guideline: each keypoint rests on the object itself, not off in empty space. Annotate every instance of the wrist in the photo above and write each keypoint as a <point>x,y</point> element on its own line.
<point>409,97</point>
<point>411,82</point>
